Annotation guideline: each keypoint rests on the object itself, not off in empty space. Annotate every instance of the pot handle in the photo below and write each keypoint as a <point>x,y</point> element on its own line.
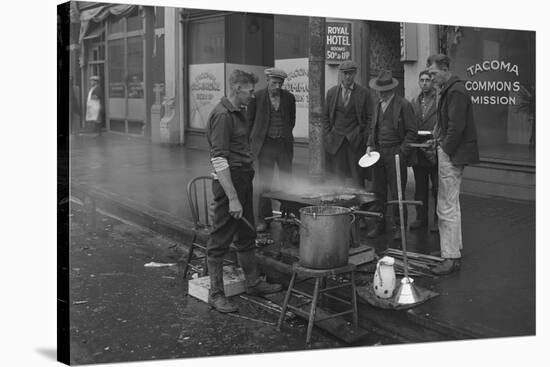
<point>352,218</point>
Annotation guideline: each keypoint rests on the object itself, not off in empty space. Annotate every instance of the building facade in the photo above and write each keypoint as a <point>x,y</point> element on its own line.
<point>163,69</point>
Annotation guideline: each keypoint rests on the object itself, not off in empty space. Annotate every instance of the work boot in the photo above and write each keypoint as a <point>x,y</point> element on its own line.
<point>262,287</point>
<point>222,304</point>
<point>247,260</point>
<point>216,295</point>
<point>254,285</point>
<point>376,231</point>
<point>448,266</point>
<point>418,224</point>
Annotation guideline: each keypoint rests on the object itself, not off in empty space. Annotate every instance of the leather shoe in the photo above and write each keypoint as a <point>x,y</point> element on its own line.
<point>448,266</point>
<point>263,287</point>
<point>376,231</point>
<point>222,304</point>
<point>262,226</point>
<point>418,224</point>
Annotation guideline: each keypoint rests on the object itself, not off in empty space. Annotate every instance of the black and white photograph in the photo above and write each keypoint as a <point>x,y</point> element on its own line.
<point>257,182</point>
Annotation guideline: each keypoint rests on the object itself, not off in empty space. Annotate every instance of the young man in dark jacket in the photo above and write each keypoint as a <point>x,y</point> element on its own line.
<point>425,167</point>
<point>456,138</point>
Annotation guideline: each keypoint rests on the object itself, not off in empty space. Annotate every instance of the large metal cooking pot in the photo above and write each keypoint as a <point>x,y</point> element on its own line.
<point>325,236</point>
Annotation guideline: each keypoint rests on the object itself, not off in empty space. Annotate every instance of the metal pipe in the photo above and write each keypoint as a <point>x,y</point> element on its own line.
<point>401,216</point>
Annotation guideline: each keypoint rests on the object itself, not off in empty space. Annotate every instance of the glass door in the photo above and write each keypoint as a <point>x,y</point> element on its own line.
<point>96,66</point>
<point>125,92</point>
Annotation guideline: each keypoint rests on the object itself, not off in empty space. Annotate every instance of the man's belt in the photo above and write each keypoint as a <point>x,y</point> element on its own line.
<point>388,145</point>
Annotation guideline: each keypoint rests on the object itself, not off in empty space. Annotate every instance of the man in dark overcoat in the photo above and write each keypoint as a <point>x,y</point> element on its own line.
<point>346,118</point>
<point>394,128</point>
<point>272,114</point>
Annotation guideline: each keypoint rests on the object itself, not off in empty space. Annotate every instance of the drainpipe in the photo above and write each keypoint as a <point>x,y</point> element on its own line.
<point>316,97</point>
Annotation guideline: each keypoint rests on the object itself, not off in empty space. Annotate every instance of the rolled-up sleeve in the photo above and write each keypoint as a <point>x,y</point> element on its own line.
<point>220,135</point>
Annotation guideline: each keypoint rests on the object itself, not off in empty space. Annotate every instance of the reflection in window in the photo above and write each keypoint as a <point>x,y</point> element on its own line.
<point>291,34</point>
<point>135,21</point>
<point>116,26</point>
<point>135,67</point>
<point>207,40</point>
<point>497,65</point>
<point>116,69</point>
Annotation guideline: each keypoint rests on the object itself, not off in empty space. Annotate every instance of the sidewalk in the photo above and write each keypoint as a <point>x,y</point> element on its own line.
<point>492,296</point>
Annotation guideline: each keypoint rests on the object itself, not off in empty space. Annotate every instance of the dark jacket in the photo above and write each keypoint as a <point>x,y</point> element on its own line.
<point>363,111</point>
<point>258,115</point>
<point>425,123</point>
<point>456,130</point>
<point>405,123</point>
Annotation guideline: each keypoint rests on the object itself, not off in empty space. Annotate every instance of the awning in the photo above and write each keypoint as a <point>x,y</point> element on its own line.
<point>98,15</point>
<point>101,13</point>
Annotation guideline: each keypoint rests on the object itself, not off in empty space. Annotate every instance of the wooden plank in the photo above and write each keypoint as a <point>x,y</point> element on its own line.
<point>337,327</point>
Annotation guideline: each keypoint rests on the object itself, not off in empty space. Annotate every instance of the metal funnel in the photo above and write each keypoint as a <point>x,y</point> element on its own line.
<point>407,292</point>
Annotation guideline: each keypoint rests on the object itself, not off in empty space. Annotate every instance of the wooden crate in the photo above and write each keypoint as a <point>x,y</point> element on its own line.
<point>233,284</point>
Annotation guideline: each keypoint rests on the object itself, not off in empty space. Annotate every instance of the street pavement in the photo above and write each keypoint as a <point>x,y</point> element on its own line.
<point>122,311</point>
<point>492,296</point>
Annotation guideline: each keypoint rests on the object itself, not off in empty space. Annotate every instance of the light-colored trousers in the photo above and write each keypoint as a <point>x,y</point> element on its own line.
<point>448,206</point>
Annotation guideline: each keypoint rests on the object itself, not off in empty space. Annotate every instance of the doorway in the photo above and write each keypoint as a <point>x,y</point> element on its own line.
<point>126,107</point>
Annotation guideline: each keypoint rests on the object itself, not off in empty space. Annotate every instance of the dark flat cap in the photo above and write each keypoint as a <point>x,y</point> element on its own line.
<point>275,73</point>
<point>348,66</point>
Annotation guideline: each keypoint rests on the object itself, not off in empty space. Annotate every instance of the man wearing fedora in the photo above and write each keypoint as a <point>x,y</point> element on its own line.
<point>272,114</point>
<point>456,137</point>
<point>346,117</point>
<point>394,127</point>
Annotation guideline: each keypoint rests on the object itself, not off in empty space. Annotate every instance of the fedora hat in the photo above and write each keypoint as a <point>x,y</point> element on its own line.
<point>384,81</point>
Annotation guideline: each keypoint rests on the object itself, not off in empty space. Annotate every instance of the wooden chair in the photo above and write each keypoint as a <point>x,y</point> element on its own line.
<point>200,197</point>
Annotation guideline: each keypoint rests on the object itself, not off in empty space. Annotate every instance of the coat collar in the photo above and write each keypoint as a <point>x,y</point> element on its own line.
<point>228,105</point>
<point>452,80</point>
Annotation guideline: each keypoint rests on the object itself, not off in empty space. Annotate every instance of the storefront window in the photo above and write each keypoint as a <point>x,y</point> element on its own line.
<point>135,67</point>
<point>250,39</point>
<point>498,67</point>
<point>135,22</point>
<point>207,41</point>
<point>291,37</point>
<point>116,69</point>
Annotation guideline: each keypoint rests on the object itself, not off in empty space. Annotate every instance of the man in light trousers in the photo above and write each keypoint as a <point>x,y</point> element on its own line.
<point>456,136</point>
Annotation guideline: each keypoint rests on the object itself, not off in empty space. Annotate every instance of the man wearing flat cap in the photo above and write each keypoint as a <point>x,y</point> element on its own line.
<point>394,127</point>
<point>272,114</point>
<point>346,117</point>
